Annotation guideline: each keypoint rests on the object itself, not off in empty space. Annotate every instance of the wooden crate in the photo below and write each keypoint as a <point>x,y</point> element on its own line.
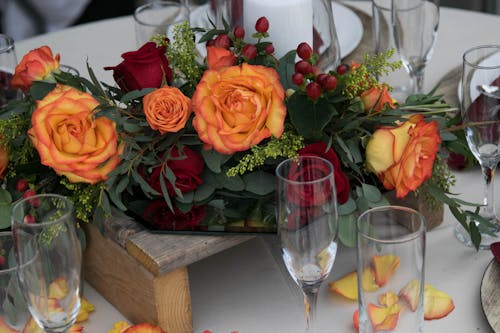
<point>143,274</point>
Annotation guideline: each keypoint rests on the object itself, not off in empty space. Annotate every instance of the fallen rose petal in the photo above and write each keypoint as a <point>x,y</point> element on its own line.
<point>410,293</point>
<point>384,266</point>
<point>437,304</point>
<point>58,289</point>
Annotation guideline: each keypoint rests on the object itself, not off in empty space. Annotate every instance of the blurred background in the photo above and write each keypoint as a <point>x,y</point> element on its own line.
<point>22,19</point>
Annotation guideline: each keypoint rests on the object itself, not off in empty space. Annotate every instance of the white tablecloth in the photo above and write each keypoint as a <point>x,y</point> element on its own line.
<point>245,288</point>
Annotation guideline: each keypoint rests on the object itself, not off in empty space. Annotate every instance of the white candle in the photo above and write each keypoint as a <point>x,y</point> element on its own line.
<point>290,22</point>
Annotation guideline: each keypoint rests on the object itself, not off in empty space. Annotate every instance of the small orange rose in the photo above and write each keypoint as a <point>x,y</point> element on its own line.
<point>70,140</point>
<point>375,99</point>
<point>239,106</point>
<point>35,65</point>
<point>403,156</point>
<point>144,328</point>
<point>167,109</point>
<point>218,57</point>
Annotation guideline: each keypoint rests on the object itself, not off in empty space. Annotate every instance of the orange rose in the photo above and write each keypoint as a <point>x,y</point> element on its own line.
<point>35,65</point>
<point>167,109</point>
<point>218,57</point>
<point>409,163</point>
<point>238,107</point>
<point>4,161</point>
<point>70,140</point>
<point>374,99</point>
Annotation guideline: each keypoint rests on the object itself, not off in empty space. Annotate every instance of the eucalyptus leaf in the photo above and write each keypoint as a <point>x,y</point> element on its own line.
<point>347,230</point>
<point>309,118</point>
<point>4,215</point>
<point>348,207</point>
<point>371,193</point>
<point>214,160</point>
<point>135,94</point>
<point>259,182</point>
<point>203,192</point>
<point>233,183</point>
<point>5,196</point>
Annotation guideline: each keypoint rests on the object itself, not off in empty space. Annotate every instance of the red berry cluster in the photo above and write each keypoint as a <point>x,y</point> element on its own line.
<point>248,51</point>
<point>306,74</point>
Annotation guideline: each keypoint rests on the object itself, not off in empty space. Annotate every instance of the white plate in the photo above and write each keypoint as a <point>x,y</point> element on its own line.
<point>348,25</point>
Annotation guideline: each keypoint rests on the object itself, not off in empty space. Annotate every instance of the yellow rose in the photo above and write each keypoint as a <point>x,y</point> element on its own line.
<point>35,65</point>
<point>239,106</point>
<point>403,156</point>
<point>70,140</point>
<point>167,109</point>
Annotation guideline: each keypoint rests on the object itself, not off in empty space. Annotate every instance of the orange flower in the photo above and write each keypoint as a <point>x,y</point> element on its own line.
<point>35,65</point>
<point>374,99</point>
<point>144,328</point>
<point>409,163</point>
<point>70,140</point>
<point>4,160</point>
<point>167,109</point>
<point>218,57</point>
<point>238,107</point>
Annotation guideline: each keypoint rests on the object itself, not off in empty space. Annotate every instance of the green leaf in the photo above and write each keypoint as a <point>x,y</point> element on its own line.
<point>214,160</point>
<point>286,69</point>
<point>362,204</point>
<point>371,193</point>
<point>347,230</point>
<point>475,235</point>
<point>5,197</point>
<point>39,89</point>
<point>4,215</point>
<point>260,182</point>
<point>135,94</point>
<point>203,192</point>
<point>310,118</point>
<point>234,183</point>
<point>348,207</point>
<point>448,136</point>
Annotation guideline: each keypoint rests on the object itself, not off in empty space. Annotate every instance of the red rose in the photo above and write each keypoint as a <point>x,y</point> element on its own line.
<point>159,215</point>
<point>187,168</point>
<point>304,190</point>
<point>341,180</point>
<point>144,68</point>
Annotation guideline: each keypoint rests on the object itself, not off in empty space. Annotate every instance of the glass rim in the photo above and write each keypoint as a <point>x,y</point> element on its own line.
<point>478,65</point>
<point>295,182</point>
<point>19,203</point>
<point>400,239</point>
<point>140,9</point>
<point>9,43</point>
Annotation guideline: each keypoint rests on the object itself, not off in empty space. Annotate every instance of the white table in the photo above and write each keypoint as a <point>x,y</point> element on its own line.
<point>245,288</point>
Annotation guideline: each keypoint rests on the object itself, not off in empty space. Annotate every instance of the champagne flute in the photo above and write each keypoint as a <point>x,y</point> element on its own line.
<point>480,107</point>
<point>307,224</point>
<point>49,259</point>
<point>415,25</point>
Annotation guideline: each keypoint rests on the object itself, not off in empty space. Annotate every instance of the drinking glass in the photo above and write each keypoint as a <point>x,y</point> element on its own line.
<point>307,224</point>
<point>8,63</point>
<point>158,18</point>
<point>391,245</point>
<point>480,107</point>
<point>49,255</point>
<point>13,310</point>
<point>415,25</point>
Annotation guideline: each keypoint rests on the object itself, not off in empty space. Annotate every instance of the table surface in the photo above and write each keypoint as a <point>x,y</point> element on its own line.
<point>246,288</point>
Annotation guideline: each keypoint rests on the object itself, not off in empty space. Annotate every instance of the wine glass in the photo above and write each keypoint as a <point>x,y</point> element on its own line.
<point>8,62</point>
<point>49,259</point>
<point>415,24</point>
<point>307,224</point>
<point>480,107</point>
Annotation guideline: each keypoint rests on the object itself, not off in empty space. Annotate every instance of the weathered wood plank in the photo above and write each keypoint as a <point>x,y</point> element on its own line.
<point>162,253</point>
<point>134,291</point>
<point>490,295</point>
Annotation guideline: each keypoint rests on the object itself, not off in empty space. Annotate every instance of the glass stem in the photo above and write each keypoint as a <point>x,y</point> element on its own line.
<point>418,82</point>
<point>310,303</point>
<point>489,209</point>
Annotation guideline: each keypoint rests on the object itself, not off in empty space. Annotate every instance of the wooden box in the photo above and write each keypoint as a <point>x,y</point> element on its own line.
<point>143,274</point>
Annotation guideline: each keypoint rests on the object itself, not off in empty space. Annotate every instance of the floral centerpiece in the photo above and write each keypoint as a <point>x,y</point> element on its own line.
<point>190,144</point>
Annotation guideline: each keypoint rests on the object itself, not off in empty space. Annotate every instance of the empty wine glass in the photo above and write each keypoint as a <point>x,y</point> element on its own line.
<point>8,62</point>
<point>307,224</point>
<point>480,107</point>
<point>49,257</point>
<point>415,25</point>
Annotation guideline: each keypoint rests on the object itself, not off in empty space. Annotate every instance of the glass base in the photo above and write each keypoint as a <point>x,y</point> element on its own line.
<point>486,239</point>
